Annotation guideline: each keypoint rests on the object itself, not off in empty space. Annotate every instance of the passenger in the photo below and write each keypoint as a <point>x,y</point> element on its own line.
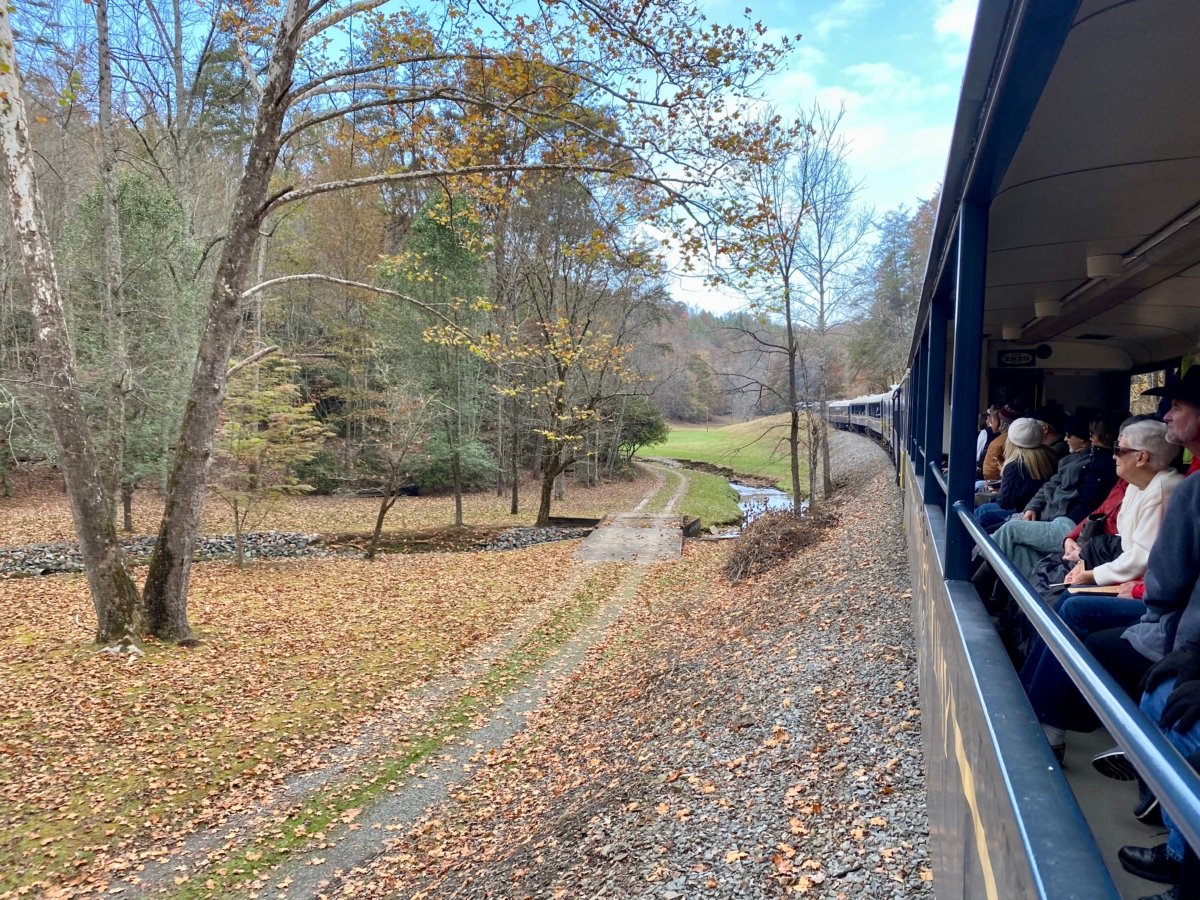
<point>1172,699</point>
<point>993,458</point>
<point>1143,460</point>
<point>989,427</point>
<point>1052,435</point>
<point>1027,466</point>
<point>1168,635</point>
<point>1083,479</point>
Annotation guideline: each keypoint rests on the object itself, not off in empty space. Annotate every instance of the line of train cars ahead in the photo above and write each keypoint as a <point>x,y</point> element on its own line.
<point>877,415</point>
<point>1063,270</point>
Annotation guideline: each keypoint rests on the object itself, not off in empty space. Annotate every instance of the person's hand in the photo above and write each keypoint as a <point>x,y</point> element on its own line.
<point>1182,710</point>
<point>1029,515</point>
<point>1071,550</point>
<point>1182,665</point>
<point>1080,575</point>
<point>1126,591</point>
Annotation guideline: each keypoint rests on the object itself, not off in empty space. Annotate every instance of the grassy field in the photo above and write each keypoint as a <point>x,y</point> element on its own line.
<point>710,499</point>
<point>758,447</point>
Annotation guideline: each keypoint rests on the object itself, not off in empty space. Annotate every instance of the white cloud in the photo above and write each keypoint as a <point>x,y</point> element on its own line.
<point>955,19</point>
<point>841,15</point>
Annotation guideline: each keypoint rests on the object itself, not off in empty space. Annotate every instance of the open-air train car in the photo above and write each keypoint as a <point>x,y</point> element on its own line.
<point>1065,268</point>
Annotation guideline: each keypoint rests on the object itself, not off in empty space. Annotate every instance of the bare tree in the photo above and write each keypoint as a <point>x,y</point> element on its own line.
<point>790,236</point>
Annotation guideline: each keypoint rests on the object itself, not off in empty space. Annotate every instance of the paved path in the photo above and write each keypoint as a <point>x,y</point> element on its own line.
<point>635,538</point>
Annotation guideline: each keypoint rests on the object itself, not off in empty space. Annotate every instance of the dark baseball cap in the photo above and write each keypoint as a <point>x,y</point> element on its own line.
<point>1186,388</point>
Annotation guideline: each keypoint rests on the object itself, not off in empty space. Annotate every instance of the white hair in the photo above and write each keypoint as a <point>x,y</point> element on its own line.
<point>1150,436</point>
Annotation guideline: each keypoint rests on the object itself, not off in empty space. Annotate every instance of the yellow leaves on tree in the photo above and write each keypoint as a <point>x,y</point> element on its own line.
<point>265,432</point>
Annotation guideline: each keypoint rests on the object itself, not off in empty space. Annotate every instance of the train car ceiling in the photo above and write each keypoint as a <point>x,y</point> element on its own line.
<point>1107,169</point>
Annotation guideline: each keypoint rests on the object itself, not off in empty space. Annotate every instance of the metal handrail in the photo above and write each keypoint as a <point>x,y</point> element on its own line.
<point>1161,765</point>
<point>940,477</point>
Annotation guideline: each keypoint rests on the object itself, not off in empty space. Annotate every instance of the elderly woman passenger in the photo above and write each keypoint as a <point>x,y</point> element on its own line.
<point>1143,460</point>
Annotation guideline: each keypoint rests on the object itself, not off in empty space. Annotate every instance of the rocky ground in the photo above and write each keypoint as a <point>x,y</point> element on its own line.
<point>737,742</point>
<point>63,556</point>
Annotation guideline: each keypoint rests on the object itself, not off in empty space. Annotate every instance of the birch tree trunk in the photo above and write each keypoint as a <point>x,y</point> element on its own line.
<point>118,362</point>
<point>170,565</point>
<point>114,594</point>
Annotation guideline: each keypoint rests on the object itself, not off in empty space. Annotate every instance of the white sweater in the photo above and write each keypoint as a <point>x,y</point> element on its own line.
<point>1137,523</point>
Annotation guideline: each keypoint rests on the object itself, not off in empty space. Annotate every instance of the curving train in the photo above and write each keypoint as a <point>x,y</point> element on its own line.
<point>1063,273</point>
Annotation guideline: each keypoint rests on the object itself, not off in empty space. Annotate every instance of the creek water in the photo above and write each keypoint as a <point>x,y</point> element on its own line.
<point>754,501</point>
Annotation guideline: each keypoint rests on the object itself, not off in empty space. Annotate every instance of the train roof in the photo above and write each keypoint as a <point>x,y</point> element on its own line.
<point>865,398</point>
<point>1077,131</point>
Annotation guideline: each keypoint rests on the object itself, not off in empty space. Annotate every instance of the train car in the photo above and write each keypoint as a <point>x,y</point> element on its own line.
<point>873,414</point>
<point>1064,271</point>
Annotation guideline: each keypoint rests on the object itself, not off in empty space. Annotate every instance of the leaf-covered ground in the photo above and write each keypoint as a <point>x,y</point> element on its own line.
<point>38,512</point>
<point>745,742</point>
<point>99,752</point>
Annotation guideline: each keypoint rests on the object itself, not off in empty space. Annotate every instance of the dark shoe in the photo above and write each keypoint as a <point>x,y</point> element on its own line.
<point>1171,893</point>
<point>1147,809</point>
<point>1151,863</point>
<point>1113,763</point>
<point>1059,751</point>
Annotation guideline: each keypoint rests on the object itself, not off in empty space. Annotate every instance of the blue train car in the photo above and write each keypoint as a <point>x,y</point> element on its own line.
<point>1064,271</point>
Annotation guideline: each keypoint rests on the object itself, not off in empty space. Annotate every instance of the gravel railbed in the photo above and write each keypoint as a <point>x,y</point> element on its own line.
<point>63,556</point>
<point>749,742</point>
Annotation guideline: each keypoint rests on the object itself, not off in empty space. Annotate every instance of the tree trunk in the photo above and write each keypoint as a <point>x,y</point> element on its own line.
<point>547,496</point>
<point>826,472</point>
<point>388,501</point>
<point>456,476</point>
<point>127,489</point>
<point>118,363</point>
<point>793,400</point>
<point>114,594</point>
<point>515,462</point>
<point>239,555</point>
<point>170,565</point>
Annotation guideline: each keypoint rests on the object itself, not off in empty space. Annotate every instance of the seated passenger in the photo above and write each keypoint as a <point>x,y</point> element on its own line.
<point>993,457</point>
<point>989,427</point>
<point>1143,460</point>
<point>1052,434</point>
<point>1083,479</point>
<point>1027,466</point>
<point>1172,700</point>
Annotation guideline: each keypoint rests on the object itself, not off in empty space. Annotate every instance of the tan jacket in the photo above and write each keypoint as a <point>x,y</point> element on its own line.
<point>993,459</point>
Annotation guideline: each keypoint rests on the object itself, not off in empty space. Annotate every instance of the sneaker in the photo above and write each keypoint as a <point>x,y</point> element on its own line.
<point>1112,763</point>
<point>1147,809</point>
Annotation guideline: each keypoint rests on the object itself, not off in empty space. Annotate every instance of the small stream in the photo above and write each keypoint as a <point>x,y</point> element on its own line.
<point>754,501</point>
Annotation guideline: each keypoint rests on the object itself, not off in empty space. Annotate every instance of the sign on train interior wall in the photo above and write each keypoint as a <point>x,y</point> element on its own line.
<point>1014,359</point>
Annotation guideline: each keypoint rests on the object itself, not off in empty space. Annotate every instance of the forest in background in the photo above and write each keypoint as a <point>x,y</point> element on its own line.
<point>316,245</point>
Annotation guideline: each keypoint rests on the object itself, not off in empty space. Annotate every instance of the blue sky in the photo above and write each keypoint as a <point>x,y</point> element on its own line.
<point>897,67</point>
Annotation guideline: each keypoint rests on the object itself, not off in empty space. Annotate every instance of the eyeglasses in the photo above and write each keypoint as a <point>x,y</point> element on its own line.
<point>1121,451</point>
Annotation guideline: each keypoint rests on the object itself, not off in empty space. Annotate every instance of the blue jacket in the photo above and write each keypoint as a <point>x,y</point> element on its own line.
<point>1172,615</point>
